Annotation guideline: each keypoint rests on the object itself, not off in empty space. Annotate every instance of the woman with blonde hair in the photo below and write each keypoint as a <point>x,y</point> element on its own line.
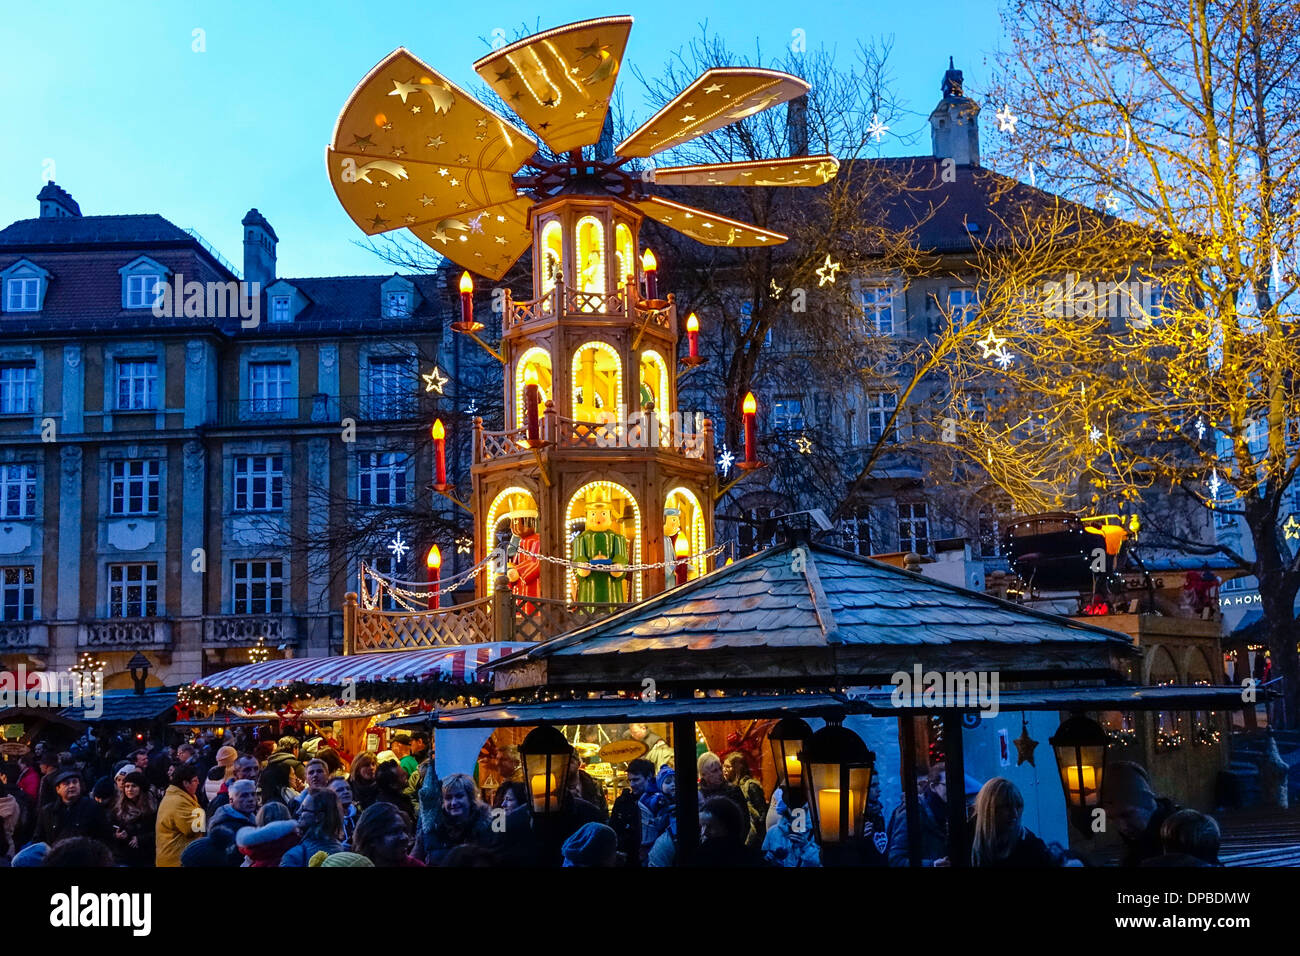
<point>1000,838</point>
<point>452,814</point>
<point>362,779</point>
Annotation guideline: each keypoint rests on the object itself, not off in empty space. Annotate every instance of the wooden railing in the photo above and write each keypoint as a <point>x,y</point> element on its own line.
<point>492,445</point>
<point>562,299</point>
<point>460,624</point>
<point>538,619</point>
<point>518,313</point>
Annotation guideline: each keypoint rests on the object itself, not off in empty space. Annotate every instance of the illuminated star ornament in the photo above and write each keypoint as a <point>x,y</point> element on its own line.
<point>877,130</point>
<point>1291,528</point>
<point>1111,202</point>
<point>826,272</point>
<point>434,381</point>
<point>805,444</point>
<point>726,460</point>
<point>991,344</point>
<point>398,547</point>
<point>1006,120</point>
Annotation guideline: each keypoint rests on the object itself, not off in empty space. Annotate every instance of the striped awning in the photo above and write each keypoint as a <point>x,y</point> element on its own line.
<point>459,663</point>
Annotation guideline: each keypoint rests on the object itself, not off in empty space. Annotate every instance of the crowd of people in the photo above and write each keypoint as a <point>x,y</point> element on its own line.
<point>298,803</point>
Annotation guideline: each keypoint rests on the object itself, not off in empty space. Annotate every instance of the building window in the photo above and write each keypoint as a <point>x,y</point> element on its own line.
<point>787,413</point>
<point>747,319</point>
<point>18,594</point>
<point>878,308</point>
<point>259,483</point>
<point>913,527</point>
<point>963,306</point>
<point>134,487</point>
<point>17,491</point>
<point>137,384</point>
<point>269,386</point>
<point>855,532</point>
<point>17,389</point>
<point>382,478</point>
<point>258,587</point>
<point>133,590</point>
<point>280,308</point>
<point>397,305</point>
<point>143,291</point>
<point>391,388</point>
<point>22,295</point>
<point>851,417</point>
<point>880,407</point>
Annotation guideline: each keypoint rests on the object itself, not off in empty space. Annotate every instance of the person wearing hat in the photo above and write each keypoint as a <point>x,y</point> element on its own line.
<point>71,813</point>
<point>181,820</point>
<point>221,774</point>
<point>605,550</point>
<point>672,533</point>
<point>592,844</point>
<point>133,818</point>
<point>525,571</point>
<point>344,858</point>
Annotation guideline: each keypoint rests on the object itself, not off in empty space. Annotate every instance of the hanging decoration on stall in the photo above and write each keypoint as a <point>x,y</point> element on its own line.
<point>1025,745</point>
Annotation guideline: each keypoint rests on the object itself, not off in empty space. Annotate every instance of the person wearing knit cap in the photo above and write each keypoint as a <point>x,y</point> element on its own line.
<point>344,858</point>
<point>133,816</point>
<point>33,854</point>
<point>592,844</point>
<point>216,849</point>
<point>221,773</point>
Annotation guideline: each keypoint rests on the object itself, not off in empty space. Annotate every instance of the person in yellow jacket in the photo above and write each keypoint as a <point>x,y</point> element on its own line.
<point>180,818</point>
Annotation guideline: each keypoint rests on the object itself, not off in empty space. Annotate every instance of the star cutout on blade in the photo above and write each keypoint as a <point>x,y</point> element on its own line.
<point>481,124</point>
<point>462,205</point>
<point>399,150</point>
<point>435,143</point>
<point>1025,746</point>
<point>404,89</point>
<point>444,172</point>
<point>453,181</point>
<point>378,222</point>
<point>826,272</point>
<point>425,200</point>
<point>688,118</point>
<point>408,219</point>
<point>507,74</point>
<point>415,110</point>
<point>463,159</point>
<point>500,239</point>
<point>362,143</point>
<point>550,102</point>
<point>581,114</point>
<point>1006,120</point>
<point>713,88</point>
<point>435,380</point>
<point>991,344</point>
<point>594,49</point>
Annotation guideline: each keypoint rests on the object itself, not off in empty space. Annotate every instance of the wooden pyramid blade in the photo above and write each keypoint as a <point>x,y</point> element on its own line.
<point>707,227</point>
<point>560,81</point>
<point>718,98</point>
<point>383,194</point>
<point>488,242</point>
<point>794,171</point>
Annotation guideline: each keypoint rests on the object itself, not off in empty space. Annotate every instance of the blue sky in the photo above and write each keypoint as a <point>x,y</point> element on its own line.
<point>134,120</point>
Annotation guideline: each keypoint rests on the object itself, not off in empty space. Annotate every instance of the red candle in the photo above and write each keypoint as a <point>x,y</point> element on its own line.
<point>651,269</point>
<point>750,408</point>
<point>532,398</point>
<point>434,563</point>
<point>466,300</point>
<point>439,453</point>
<point>693,336</point>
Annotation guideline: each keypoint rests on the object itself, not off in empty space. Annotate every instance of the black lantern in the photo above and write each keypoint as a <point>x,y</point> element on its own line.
<point>139,667</point>
<point>1080,746</point>
<point>546,755</point>
<point>837,770</point>
<point>787,739</point>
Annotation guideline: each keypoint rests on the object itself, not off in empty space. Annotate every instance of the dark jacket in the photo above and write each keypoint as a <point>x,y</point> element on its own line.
<point>625,819</point>
<point>755,808</point>
<point>82,817</point>
<point>301,854</point>
<point>142,828</point>
<point>439,834</point>
<point>714,853</point>
<point>1147,844</point>
<point>934,831</point>
<point>275,776</point>
<point>1030,851</point>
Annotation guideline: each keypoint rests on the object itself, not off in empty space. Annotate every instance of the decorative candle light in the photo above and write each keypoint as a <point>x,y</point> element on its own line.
<point>466,323</point>
<point>750,410</point>
<point>532,398</point>
<point>545,797</point>
<point>434,565</point>
<point>693,336</point>
<point>651,269</point>
<point>439,453</point>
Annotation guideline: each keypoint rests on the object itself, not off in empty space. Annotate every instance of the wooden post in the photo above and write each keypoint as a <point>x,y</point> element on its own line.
<point>478,439</point>
<point>955,765</point>
<point>503,610</point>
<point>688,806</point>
<point>350,622</point>
<point>911,796</point>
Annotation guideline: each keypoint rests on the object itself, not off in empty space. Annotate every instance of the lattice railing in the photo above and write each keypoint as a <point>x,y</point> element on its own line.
<point>125,632</point>
<point>449,627</point>
<point>237,629</point>
<point>665,318</point>
<point>502,444</point>
<point>24,634</point>
<point>539,619</point>
<point>520,312</point>
<point>576,434</point>
<point>595,303</point>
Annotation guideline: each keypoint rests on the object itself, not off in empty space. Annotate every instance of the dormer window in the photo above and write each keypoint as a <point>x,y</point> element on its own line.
<point>142,291</point>
<point>397,305</point>
<point>280,308</point>
<point>24,285</point>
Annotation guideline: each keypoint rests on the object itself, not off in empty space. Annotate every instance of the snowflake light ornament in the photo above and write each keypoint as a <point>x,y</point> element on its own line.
<point>876,129</point>
<point>726,460</point>
<point>398,547</point>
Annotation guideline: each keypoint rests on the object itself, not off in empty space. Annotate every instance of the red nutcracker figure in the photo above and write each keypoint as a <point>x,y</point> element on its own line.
<point>525,569</point>
<point>676,545</point>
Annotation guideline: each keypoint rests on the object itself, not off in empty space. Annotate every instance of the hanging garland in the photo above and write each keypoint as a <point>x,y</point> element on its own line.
<point>279,698</point>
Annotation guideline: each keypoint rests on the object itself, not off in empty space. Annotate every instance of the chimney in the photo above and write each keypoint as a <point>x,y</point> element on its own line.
<point>259,249</point>
<point>954,130</point>
<point>796,125</point>
<point>57,203</point>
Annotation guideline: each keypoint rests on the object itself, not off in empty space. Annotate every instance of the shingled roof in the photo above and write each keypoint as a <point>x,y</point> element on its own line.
<point>28,234</point>
<point>836,613</point>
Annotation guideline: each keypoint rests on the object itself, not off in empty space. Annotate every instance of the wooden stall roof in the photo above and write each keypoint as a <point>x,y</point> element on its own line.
<point>124,706</point>
<point>877,703</point>
<point>827,598</point>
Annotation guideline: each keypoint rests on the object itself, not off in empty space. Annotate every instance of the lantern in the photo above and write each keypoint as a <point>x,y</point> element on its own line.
<point>787,739</point>
<point>651,269</point>
<point>837,767</point>
<point>546,754</point>
<point>1080,745</point>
